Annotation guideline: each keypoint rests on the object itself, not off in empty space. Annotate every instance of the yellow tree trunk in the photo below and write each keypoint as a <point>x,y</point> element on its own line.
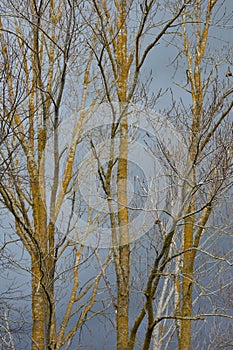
<point>43,263</point>
<point>187,287</point>
<point>43,311</point>
<point>38,307</point>
<point>123,270</point>
<point>189,241</point>
<point>124,250</point>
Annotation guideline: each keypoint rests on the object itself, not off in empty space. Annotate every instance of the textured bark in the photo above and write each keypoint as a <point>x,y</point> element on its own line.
<point>123,270</point>
<point>187,287</point>
<point>195,79</point>
<point>124,250</point>
<point>39,307</point>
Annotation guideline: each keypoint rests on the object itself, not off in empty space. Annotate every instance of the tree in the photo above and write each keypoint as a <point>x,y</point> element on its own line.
<point>207,120</point>
<point>209,158</point>
<point>39,44</point>
<point>121,55</point>
<point>197,198</point>
<point>83,131</point>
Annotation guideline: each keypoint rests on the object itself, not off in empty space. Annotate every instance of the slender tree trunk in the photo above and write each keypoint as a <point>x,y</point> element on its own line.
<point>38,307</point>
<point>50,262</point>
<point>123,270</point>
<point>187,287</point>
<point>124,250</point>
<point>43,267</point>
<point>43,309</point>
<point>189,240</point>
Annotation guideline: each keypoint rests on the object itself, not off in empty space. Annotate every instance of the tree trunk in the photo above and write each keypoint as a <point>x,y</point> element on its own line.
<point>124,250</point>
<point>43,310</point>
<point>123,270</point>
<point>38,307</point>
<point>196,84</point>
<point>187,287</point>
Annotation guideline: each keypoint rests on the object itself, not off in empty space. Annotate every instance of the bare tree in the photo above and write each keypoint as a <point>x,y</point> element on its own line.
<point>209,160</point>
<point>205,125</point>
<point>121,53</point>
<point>76,106</point>
<point>40,50</point>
